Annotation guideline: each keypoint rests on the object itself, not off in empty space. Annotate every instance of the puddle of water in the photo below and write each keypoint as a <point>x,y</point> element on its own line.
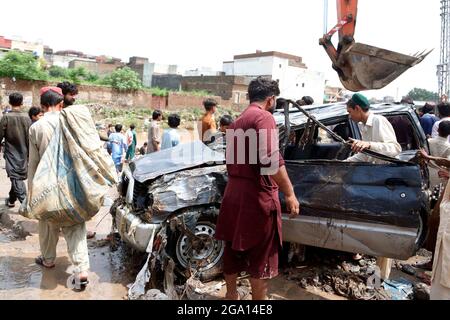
<point>21,278</point>
<point>13,274</point>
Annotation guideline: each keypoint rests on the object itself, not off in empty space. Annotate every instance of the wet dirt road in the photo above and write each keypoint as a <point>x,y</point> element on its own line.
<point>21,278</point>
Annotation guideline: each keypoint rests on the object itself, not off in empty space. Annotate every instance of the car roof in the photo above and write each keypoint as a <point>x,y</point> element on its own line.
<point>336,110</point>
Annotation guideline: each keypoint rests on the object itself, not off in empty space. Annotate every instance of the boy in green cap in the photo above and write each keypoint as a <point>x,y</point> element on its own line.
<point>377,135</point>
<point>377,132</point>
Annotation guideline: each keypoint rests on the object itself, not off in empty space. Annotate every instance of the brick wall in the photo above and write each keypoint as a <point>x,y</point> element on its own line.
<point>99,94</point>
<point>180,101</point>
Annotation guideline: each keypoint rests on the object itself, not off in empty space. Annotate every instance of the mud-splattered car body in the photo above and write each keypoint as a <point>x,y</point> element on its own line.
<point>379,210</point>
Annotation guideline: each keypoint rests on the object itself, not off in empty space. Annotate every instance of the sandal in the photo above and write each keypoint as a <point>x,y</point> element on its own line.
<point>82,284</point>
<point>40,261</point>
<point>9,204</point>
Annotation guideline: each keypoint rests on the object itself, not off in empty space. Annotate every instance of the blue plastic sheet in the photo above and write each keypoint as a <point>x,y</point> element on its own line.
<point>399,289</point>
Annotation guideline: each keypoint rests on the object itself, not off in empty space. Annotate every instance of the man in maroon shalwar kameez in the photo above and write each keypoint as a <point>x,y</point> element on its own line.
<point>250,215</point>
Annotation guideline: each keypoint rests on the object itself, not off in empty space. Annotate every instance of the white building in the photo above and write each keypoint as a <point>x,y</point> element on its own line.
<point>295,79</point>
<point>36,48</point>
<point>201,71</point>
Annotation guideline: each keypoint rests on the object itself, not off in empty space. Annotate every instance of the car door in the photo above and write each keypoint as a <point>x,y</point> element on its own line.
<point>365,208</point>
<point>356,207</point>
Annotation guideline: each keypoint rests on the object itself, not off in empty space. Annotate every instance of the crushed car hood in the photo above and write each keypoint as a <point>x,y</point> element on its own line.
<point>182,157</point>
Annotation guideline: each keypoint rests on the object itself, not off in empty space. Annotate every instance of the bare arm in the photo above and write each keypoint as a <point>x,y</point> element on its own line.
<point>443,162</point>
<point>284,183</point>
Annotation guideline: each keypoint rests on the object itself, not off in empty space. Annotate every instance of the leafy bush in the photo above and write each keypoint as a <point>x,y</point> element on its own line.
<point>21,65</point>
<point>124,79</point>
<point>76,75</point>
<point>92,77</point>
<point>159,92</point>
<point>58,72</point>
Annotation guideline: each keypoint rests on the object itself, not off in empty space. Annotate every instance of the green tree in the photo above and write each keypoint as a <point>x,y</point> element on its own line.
<point>92,77</point>
<point>76,75</point>
<point>419,94</point>
<point>58,72</point>
<point>124,79</point>
<point>21,65</point>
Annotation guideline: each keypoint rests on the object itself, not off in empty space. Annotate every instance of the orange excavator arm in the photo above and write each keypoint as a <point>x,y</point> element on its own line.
<point>347,11</point>
<point>359,66</point>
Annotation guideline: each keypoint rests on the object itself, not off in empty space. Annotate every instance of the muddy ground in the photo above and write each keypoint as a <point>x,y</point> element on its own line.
<point>325,275</point>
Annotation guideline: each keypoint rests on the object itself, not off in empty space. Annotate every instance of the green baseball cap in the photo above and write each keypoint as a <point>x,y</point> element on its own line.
<point>361,100</point>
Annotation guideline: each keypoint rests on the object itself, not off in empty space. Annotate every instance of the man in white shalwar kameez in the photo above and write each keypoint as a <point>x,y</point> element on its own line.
<point>41,133</point>
<point>377,135</point>
<point>440,280</point>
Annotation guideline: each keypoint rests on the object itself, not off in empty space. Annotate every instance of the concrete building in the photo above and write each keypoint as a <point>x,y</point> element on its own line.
<point>35,48</point>
<point>63,58</point>
<point>334,94</point>
<point>99,68</point>
<point>232,88</point>
<point>201,71</point>
<point>295,79</point>
<point>147,69</point>
<point>5,46</point>
<point>167,81</point>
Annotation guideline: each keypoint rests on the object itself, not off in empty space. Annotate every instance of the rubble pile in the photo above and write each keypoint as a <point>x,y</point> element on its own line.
<point>338,274</point>
<point>351,285</point>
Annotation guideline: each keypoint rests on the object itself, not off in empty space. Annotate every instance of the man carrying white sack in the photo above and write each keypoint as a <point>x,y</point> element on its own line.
<point>60,193</point>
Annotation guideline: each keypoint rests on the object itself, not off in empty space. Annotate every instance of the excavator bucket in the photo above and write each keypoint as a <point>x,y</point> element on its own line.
<point>363,67</point>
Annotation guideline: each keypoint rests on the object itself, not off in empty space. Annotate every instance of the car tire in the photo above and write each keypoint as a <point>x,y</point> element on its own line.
<point>178,244</point>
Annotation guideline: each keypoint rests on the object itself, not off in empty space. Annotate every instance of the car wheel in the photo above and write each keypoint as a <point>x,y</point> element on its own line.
<point>206,259</point>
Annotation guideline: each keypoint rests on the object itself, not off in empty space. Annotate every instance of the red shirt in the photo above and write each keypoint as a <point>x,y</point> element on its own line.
<point>251,197</point>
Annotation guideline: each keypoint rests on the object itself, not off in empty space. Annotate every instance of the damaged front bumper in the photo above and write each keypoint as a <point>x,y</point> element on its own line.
<point>133,230</point>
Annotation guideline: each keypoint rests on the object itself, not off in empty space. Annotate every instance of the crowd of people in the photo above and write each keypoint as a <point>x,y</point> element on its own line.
<point>250,220</point>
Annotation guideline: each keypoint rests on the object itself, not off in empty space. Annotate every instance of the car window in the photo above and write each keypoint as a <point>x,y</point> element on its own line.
<point>322,145</point>
<point>405,132</point>
<point>342,129</point>
<point>324,137</point>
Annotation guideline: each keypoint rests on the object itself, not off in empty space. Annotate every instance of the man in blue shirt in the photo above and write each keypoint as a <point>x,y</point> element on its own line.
<point>171,137</point>
<point>428,119</point>
<point>118,145</point>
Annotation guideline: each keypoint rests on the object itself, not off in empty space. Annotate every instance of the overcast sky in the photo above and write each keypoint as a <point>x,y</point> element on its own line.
<point>207,32</point>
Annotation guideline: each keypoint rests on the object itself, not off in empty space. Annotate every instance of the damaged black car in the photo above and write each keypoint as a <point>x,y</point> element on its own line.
<point>169,201</point>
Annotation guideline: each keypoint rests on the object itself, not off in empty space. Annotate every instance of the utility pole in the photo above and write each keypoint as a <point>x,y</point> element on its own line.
<point>443,69</point>
<point>325,16</point>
